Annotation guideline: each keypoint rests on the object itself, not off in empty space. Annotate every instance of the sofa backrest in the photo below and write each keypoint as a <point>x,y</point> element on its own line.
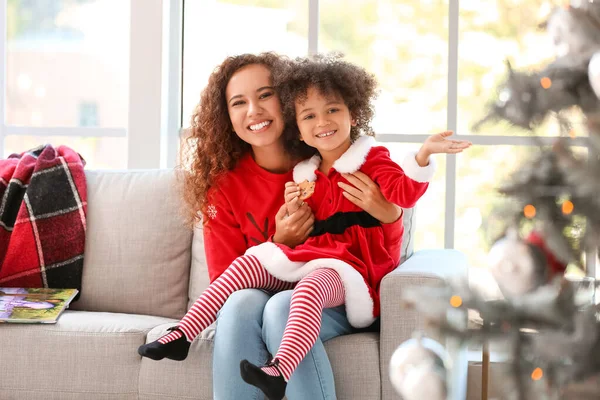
<point>137,249</point>
<point>199,273</point>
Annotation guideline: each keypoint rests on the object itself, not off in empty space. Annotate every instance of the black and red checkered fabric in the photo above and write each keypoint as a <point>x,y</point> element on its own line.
<point>43,202</point>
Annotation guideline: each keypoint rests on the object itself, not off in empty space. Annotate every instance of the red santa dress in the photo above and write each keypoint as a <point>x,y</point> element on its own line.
<point>346,238</point>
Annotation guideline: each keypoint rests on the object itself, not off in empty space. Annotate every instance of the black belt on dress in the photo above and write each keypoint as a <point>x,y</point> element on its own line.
<point>340,221</point>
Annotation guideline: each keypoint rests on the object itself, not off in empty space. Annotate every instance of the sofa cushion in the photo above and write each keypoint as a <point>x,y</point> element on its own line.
<point>137,249</point>
<point>190,379</point>
<point>355,363</point>
<point>94,355</point>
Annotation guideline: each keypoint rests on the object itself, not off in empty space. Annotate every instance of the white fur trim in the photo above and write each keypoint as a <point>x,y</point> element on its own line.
<point>305,170</point>
<point>348,163</point>
<point>271,257</point>
<point>359,304</point>
<point>355,156</point>
<point>414,171</point>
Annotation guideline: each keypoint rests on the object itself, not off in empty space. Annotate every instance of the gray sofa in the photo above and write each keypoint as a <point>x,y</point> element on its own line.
<point>142,269</point>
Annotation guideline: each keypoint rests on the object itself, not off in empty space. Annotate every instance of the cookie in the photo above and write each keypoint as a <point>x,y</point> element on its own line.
<point>306,189</point>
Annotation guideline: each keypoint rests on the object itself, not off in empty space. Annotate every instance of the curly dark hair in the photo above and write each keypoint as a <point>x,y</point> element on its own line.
<point>330,75</point>
<point>213,148</point>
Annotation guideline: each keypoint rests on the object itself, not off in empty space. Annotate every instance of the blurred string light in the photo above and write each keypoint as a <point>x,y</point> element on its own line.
<point>456,301</point>
<point>529,211</point>
<point>567,207</point>
<point>546,82</point>
<point>537,374</point>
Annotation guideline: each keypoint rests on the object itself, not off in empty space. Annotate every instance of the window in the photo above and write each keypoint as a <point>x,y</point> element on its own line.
<point>438,65</point>
<point>481,171</point>
<point>59,51</point>
<point>491,33</point>
<point>62,66</point>
<point>216,29</point>
<point>98,152</point>
<point>69,79</point>
<point>405,44</point>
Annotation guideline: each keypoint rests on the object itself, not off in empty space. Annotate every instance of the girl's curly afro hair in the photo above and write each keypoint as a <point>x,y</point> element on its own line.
<point>331,76</point>
<point>213,148</point>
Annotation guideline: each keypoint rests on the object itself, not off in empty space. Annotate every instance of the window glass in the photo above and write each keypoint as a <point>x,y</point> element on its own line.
<point>214,30</point>
<point>67,63</point>
<point>405,44</point>
<point>98,152</point>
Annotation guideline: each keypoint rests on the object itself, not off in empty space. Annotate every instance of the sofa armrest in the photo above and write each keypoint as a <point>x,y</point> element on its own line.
<point>423,268</point>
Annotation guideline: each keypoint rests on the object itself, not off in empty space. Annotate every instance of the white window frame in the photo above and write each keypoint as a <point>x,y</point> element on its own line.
<point>155,91</point>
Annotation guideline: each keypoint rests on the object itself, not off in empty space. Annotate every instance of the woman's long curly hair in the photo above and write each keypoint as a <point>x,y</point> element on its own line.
<point>213,148</point>
<point>331,76</point>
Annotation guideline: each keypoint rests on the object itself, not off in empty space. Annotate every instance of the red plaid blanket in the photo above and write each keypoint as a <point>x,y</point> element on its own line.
<point>43,202</point>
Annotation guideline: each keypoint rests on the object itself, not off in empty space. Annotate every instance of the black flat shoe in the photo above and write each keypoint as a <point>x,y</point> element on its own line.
<point>174,350</point>
<point>272,386</point>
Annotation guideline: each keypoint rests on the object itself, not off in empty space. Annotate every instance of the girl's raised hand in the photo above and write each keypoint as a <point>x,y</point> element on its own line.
<point>439,143</point>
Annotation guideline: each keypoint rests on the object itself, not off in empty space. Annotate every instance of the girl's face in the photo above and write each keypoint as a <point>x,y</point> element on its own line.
<point>254,107</point>
<point>324,123</point>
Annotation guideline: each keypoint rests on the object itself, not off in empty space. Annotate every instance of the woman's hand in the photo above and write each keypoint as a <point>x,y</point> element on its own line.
<point>365,193</point>
<point>439,144</point>
<point>294,229</point>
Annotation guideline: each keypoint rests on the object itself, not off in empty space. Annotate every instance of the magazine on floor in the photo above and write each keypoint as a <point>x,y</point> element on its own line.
<point>34,305</point>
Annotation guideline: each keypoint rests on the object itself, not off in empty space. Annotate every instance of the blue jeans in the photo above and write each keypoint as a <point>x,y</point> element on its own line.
<point>250,326</point>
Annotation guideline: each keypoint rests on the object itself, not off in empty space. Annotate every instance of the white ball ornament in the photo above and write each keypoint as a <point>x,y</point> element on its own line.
<point>512,267</point>
<point>594,73</point>
<point>521,266</point>
<point>417,370</point>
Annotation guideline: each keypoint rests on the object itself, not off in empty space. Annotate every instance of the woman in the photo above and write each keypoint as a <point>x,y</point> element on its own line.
<point>238,168</point>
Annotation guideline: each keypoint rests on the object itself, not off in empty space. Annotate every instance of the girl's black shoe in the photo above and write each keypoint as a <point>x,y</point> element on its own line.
<point>272,386</point>
<point>175,350</point>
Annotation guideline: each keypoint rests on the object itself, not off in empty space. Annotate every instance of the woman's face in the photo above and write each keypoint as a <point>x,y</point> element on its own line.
<point>254,107</point>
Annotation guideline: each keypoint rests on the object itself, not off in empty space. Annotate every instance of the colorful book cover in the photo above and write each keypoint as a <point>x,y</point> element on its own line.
<point>34,305</point>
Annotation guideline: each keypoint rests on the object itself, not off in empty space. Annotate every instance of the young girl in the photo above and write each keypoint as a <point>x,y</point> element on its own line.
<point>345,258</point>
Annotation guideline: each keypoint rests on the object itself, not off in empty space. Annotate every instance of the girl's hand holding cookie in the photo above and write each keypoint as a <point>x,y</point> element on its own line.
<point>291,197</point>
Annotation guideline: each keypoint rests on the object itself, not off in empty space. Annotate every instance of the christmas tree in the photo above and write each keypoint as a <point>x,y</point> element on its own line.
<point>552,220</point>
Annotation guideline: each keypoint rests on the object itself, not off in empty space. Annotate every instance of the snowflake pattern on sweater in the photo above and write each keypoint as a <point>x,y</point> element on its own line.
<point>211,211</point>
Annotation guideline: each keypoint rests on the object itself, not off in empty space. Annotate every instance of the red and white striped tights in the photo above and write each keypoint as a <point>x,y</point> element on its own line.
<point>322,288</point>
